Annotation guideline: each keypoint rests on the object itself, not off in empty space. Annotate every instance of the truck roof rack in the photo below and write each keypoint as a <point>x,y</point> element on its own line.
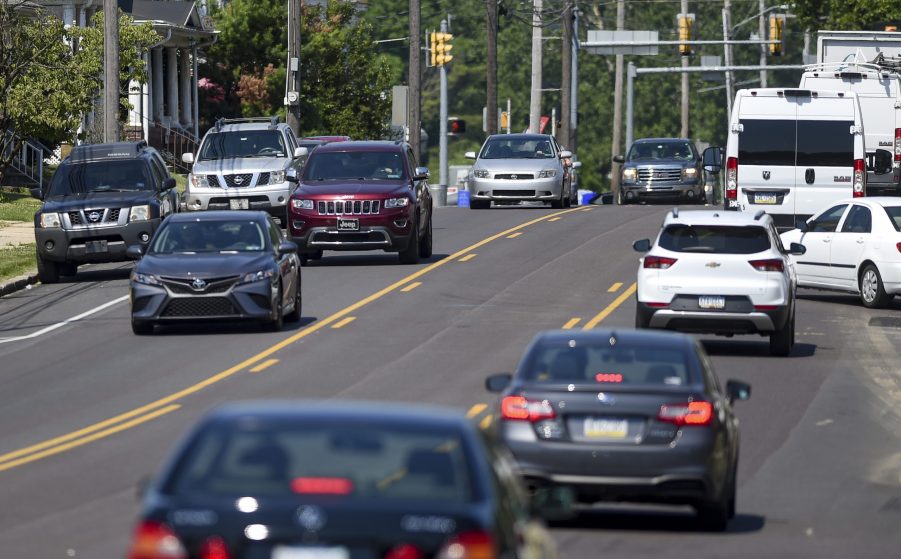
<point>113,150</point>
<point>272,120</point>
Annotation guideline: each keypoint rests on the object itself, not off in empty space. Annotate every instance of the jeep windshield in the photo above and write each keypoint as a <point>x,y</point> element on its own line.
<point>100,176</point>
<point>354,165</point>
<point>209,236</point>
<point>243,143</point>
<point>503,148</point>
<point>680,151</point>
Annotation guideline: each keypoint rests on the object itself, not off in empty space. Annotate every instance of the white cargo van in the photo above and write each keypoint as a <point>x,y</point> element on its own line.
<point>792,151</point>
<point>878,90</point>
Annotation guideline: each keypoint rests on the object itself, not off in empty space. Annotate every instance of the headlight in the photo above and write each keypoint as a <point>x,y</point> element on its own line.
<point>396,202</point>
<point>301,204</point>
<point>257,276</point>
<point>50,220</point>
<point>139,213</point>
<point>547,174</point>
<point>480,173</point>
<point>689,173</point>
<point>198,181</point>
<point>630,174</point>
<point>276,176</point>
<point>146,279</point>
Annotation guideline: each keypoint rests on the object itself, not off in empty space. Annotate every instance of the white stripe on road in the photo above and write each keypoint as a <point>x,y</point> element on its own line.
<point>58,325</point>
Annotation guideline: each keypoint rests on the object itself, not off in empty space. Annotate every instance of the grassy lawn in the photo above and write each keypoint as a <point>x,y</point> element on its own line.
<point>16,261</point>
<point>16,204</point>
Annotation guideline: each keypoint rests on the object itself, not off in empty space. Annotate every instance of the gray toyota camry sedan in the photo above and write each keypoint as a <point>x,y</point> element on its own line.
<point>623,415</point>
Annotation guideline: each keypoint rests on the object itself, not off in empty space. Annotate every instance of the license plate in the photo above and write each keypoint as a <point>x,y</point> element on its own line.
<point>764,198</point>
<point>711,302</point>
<point>348,224</point>
<point>289,552</point>
<point>605,428</point>
<point>93,247</point>
<point>238,204</point>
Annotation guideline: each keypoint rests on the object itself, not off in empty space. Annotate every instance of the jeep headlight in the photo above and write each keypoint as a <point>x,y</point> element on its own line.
<point>257,276</point>
<point>199,181</point>
<point>547,173</point>
<point>396,202</point>
<point>689,173</point>
<point>146,279</point>
<point>49,220</point>
<point>139,213</point>
<point>276,176</point>
<point>480,173</point>
<point>301,204</point>
<point>630,174</point>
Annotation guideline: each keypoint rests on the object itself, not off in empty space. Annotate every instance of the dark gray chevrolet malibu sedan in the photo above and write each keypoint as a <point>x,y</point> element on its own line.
<point>623,415</point>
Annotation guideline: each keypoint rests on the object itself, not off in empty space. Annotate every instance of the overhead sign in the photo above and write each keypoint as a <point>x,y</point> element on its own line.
<point>625,37</point>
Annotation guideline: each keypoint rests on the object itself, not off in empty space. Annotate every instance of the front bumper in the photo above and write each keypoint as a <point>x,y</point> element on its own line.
<point>272,198</point>
<point>391,231</point>
<point>499,190</point>
<point>689,190</point>
<point>156,303</point>
<point>69,245</point>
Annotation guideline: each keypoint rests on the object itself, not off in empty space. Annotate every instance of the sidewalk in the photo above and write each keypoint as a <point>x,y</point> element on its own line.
<point>14,233</point>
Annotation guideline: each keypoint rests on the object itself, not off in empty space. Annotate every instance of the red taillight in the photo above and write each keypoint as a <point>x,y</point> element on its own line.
<point>155,540</point>
<point>692,413</point>
<point>768,265</point>
<point>523,409</point>
<point>898,246</point>
<point>322,485</point>
<point>404,551</point>
<point>765,307</point>
<point>608,377</point>
<point>657,305</point>
<point>469,545</point>
<point>860,178</point>
<point>897,144</point>
<point>214,548</point>
<point>658,262</point>
<point>732,178</point>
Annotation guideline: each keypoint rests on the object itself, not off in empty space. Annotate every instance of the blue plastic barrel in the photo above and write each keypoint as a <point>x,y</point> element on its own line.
<point>586,198</point>
<point>463,198</point>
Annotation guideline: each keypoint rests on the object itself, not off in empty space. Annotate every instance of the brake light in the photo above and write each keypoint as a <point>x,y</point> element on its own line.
<point>898,246</point>
<point>608,377</point>
<point>657,305</point>
<point>860,177</point>
<point>404,551</point>
<point>520,408</point>
<point>214,548</point>
<point>469,545</point>
<point>765,307</point>
<point>768,265</point>
<point>692,413</point>
<point>732,178</point>
<point>322,485</point>
<point>897,144</point>
<point>155,540</point>
<point>658,262</point>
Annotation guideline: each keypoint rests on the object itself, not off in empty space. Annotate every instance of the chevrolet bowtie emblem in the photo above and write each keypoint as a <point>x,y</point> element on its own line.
<point>713,264</point>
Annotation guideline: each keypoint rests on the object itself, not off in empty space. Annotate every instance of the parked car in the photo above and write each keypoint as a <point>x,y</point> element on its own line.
<point>295,480</point>
<point>661,168</point>
<point>362,195</point>
<point>219,265</point>
<point>102,198</point>
<point>623,415</point>
<point>852,246</point>
<point>718,272</point>
<point>241,164</point>
<point>512,168</point>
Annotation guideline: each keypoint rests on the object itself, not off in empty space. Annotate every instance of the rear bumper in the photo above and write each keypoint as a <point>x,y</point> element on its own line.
<point>714,322</point>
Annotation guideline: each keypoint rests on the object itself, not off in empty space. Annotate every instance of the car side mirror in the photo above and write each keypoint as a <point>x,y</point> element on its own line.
<point>135,252</point>
<point>187,158</point>
<point>565,154</point>
<point>291,174</point>
<point>168,183</point>
<point>422,173</point>
<point>713,159</point>
<point>803,226</point>
<point>737,390</point>
<point>797,249</point>
<point>882,162</point>
<point>36,193</point>
<point>470,155</point>
<point>287,247</point>
<point>577,164</point>
<point>499,382</point>
<point>301,152</point>
<point>642,245</point>
<point>619,159</point>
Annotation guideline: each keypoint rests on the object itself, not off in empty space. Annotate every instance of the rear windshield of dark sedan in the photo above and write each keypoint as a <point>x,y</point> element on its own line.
<point>355,165</point>
<point>101,176</point>
<point>605,364</point>
<point>348,462</point>
<point>715,239</point>
<point>210,236</point>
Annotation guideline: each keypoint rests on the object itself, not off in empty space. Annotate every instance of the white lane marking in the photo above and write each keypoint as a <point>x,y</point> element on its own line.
<point>58,325</point>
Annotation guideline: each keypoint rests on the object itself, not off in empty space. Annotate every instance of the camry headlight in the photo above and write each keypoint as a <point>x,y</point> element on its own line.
<point>547,173</point>
<point>480,173</point>
<point>139,213</point>
<point>199,181</point>
<point>276,176</point>
<point>689,173</point>
<point>50,220</point>
<point>146,279</point>
<point>630,174</point>
<point>257,276</point>
<point>397,202</point>
<point>301,204</point>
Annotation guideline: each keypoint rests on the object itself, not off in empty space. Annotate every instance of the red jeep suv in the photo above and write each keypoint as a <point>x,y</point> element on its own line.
<point>362,195</point>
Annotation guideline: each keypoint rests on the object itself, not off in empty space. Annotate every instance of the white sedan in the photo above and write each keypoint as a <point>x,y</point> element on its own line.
<point>853,245</point>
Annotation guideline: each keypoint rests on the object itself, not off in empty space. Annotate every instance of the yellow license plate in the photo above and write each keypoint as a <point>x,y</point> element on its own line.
<point>765,199</point>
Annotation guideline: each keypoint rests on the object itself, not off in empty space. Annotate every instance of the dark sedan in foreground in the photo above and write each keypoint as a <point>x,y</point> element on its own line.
<point>624,415</point>
<point>304,480</point>
<point>219,265</point>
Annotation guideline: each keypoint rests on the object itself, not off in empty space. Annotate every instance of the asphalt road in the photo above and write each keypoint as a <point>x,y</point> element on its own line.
<point>87,409</point>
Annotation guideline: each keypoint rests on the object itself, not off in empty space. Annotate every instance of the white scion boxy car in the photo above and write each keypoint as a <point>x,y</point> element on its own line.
<point>853,245</point>
<point>718,272</point>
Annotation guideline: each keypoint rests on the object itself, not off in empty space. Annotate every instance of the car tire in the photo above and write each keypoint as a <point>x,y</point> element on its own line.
<point>425,244</point>
<point>141,327</point>
<point>714,516</point>
<point>275,324</point>
<point>317,255</point>
<point>48,270</point>
<point>295,313</point>
<point>558,204</point>
<point>872,291</point>
<point>640,321</point>
<point>68,269</point>
<point>783,339</point>
<point>732,494</point>
<point>410,255</point>
<point>479,205</point>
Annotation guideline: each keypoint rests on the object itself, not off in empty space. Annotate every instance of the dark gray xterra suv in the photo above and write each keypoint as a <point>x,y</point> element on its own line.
<point>102,198</point>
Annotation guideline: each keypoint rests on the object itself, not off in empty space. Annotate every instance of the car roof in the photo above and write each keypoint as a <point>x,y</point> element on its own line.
<point>716,217</point>
<point>657,140</point>
<point>238,126</point>
<point>361,145</point>
<point>884,201</point>
<point>523,136</point>
<point>651,338</point>
<point>108,151</point>
<point>216,215</point>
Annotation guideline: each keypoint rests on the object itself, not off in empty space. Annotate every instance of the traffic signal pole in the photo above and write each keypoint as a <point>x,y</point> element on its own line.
<point>685,83</point>
<point>442,134</point>
<point>111,71</point>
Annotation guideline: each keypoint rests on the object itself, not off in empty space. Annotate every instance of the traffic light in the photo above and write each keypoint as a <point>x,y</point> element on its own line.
<point>441,48</point>
<point>686,32</point>
<point>777,22</point>
<point>456,126</point>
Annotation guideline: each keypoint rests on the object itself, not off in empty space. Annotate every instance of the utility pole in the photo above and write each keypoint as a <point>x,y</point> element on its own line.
<point>761,31</point>
<point>685,83</point>
<point>111,71</point>
<point>293,96</point>
<point>574,87</point>
<point>491,101</point>
<point>616,148</point>
<point>727,54</point>
<point>442,134</point>
<point>566,76</point>
<point>535,101</point>
<point>413,80</point>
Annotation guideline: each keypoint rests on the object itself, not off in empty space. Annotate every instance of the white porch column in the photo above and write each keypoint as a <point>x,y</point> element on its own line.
<point>156,78</point>
<point>184,86</point>
<point>145,100</point>
<point>136,102</point>
<point>172,85</point>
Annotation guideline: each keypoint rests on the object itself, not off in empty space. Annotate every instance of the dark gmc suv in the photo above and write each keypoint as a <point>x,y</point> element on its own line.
<point>102,198</point>
<point>362,195</point>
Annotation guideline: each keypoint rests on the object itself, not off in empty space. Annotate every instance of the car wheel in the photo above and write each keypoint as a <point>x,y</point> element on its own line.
<point>425,244</point>
<point>68,269</point>
<point>558,204</point>
<point>732,494</point>
<point>479,205</point>
<point>410,255</point>
<point>316,255</point>
<point>141,327</point>
<point>294,315</point>
<point>640,321</point>
<point>782,340</point>
<point>275,324</point>
<point>48,271</point>
<point>872,291</point>
<point>714,516</point>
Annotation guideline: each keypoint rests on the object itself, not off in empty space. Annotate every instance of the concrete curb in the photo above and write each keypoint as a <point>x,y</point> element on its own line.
<point>18,283</point>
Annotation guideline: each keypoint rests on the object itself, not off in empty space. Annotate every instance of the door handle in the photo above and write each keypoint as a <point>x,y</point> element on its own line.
<point>860,241</point>
<point>827,240</point>
<point>809,176</point>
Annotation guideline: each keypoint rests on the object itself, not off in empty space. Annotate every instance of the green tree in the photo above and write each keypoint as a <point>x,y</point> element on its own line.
<point>847,14</point>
